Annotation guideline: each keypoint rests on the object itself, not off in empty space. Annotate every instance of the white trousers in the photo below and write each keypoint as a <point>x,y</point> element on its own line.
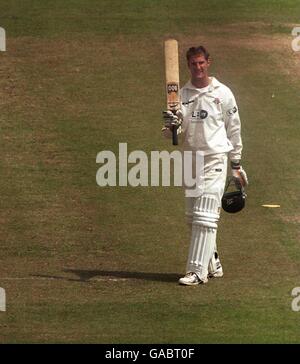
<point>203,213</point>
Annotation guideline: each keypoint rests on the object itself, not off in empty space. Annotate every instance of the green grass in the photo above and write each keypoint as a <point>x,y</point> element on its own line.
<point>101,264</point>
<point>137,17</point>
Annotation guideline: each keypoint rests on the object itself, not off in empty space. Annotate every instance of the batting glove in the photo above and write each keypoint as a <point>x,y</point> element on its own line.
<point>172,119</point>
<point>239,175</point>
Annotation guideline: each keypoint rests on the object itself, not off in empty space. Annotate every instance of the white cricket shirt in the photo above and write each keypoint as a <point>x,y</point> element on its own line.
<point>211,121</point>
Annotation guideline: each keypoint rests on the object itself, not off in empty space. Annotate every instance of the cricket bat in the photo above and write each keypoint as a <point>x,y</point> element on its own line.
<point>172,80</point>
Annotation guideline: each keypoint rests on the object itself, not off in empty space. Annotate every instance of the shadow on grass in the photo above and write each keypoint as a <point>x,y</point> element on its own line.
<point>86,275</point>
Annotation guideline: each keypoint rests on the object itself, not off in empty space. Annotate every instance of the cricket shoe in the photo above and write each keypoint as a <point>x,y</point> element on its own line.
<point>215,269</point>
<point>191,279</point>
<point>218,273</point>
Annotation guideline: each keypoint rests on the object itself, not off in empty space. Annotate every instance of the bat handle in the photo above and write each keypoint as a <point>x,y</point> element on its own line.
<point>174,135</point>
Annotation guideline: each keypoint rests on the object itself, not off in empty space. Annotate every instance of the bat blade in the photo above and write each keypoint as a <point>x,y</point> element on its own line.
<point>172,80</point>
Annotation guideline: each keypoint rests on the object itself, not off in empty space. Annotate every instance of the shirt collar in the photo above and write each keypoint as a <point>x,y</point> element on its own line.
<point>214,83</point>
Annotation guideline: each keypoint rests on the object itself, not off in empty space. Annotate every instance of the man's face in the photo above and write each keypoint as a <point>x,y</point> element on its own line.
<point>198,67</point>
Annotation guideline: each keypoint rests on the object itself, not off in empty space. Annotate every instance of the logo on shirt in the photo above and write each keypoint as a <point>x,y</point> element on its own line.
<point>188,102</point>
<point>232,111</point>
<point>199,115</point>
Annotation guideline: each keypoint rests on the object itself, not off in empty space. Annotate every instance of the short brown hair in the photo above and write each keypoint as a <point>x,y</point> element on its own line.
<point>194,51</point>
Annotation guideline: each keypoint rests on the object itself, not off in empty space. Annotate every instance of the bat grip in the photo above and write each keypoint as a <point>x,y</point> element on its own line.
<point>174,135</point>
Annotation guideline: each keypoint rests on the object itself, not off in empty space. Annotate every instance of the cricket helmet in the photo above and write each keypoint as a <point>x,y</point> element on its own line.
<point>233,201</point>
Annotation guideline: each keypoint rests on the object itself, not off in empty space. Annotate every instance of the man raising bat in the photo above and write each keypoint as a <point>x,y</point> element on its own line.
<point>207,120</point>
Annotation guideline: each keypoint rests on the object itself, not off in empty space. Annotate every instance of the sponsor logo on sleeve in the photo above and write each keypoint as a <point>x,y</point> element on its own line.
<point>232,111</point>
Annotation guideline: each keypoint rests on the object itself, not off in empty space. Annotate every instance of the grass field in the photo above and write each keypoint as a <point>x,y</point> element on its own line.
<point>85,264</point>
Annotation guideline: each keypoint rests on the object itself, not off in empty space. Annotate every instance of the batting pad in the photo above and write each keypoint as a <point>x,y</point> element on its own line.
<point>204,232</point>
